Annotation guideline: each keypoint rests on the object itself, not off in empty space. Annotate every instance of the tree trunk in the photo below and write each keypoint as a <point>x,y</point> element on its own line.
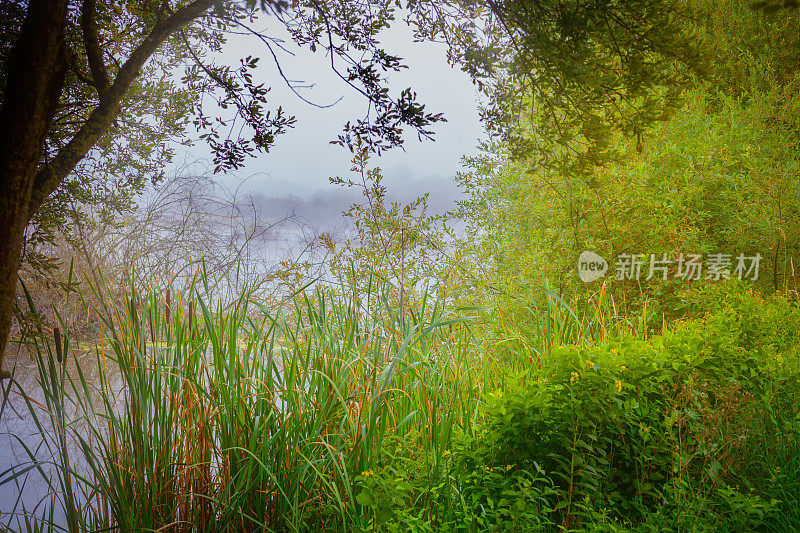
<point>35,79</point>
<point>34,83</point>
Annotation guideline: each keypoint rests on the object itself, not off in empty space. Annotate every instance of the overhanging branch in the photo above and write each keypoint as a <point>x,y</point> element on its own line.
<point>53,173</point>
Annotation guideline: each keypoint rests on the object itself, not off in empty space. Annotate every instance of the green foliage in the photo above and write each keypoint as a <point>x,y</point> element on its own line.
<point>692,422</point>
<point>499,498</point>
<point>718,175</point>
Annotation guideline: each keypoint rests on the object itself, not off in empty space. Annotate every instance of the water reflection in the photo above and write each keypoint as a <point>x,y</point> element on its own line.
<point>28,437</point>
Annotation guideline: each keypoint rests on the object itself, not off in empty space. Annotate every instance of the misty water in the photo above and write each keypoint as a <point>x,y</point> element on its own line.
<point>21,438</point>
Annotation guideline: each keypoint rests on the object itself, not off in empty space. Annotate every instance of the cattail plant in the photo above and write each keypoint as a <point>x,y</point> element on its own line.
<point>246,418</point>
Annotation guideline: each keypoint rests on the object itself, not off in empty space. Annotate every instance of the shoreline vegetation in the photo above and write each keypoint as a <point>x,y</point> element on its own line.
<point>327,415</point>
<point>417,371</point>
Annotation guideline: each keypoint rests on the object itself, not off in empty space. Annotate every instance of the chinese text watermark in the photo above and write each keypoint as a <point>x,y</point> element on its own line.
<point>685,267</point>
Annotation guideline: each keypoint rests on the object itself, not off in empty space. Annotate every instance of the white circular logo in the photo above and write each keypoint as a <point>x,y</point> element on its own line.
<point>591,266</point>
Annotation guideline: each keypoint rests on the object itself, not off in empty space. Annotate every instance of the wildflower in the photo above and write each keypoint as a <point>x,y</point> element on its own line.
<point>618,385</point>
<point>574,376</point>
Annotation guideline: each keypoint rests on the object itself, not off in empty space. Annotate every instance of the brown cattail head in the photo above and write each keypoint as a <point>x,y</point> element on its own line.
<point>57,338</point>
<point>169,305</point>
<point>132,305</point>
<point>151,320</point>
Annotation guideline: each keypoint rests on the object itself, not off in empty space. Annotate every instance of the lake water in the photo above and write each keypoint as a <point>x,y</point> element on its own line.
<point>20,437</point>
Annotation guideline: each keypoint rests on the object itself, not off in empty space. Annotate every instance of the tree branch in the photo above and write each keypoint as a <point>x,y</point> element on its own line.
<point>94,53</point>
<point>53,173</point>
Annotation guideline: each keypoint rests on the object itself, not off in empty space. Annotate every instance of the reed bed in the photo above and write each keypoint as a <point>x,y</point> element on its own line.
<point>215,416</point>
<point>193,414</point>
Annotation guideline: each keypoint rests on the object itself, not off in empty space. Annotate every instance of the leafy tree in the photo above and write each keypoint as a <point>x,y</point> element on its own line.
<point>390,241</point>
<point>91,103</point>
<point>718,176</point>
<point>73,74</point>
<point>563,76</point>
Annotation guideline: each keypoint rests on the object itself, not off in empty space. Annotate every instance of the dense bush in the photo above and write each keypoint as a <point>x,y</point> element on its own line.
<point>687,430</point>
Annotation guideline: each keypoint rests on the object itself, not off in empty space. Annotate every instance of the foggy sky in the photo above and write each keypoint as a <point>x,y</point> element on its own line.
<point>295,173</point>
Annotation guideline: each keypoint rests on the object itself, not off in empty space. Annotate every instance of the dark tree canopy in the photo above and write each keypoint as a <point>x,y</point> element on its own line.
<point>574,71</point>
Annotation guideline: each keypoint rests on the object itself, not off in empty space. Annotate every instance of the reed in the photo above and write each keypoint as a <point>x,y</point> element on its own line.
<point>232,416</point>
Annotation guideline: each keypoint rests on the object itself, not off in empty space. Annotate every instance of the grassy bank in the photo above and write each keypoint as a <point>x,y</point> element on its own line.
<point>351,413</point>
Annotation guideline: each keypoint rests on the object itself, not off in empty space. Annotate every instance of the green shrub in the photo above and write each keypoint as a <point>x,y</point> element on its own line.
<point>684,425</point>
